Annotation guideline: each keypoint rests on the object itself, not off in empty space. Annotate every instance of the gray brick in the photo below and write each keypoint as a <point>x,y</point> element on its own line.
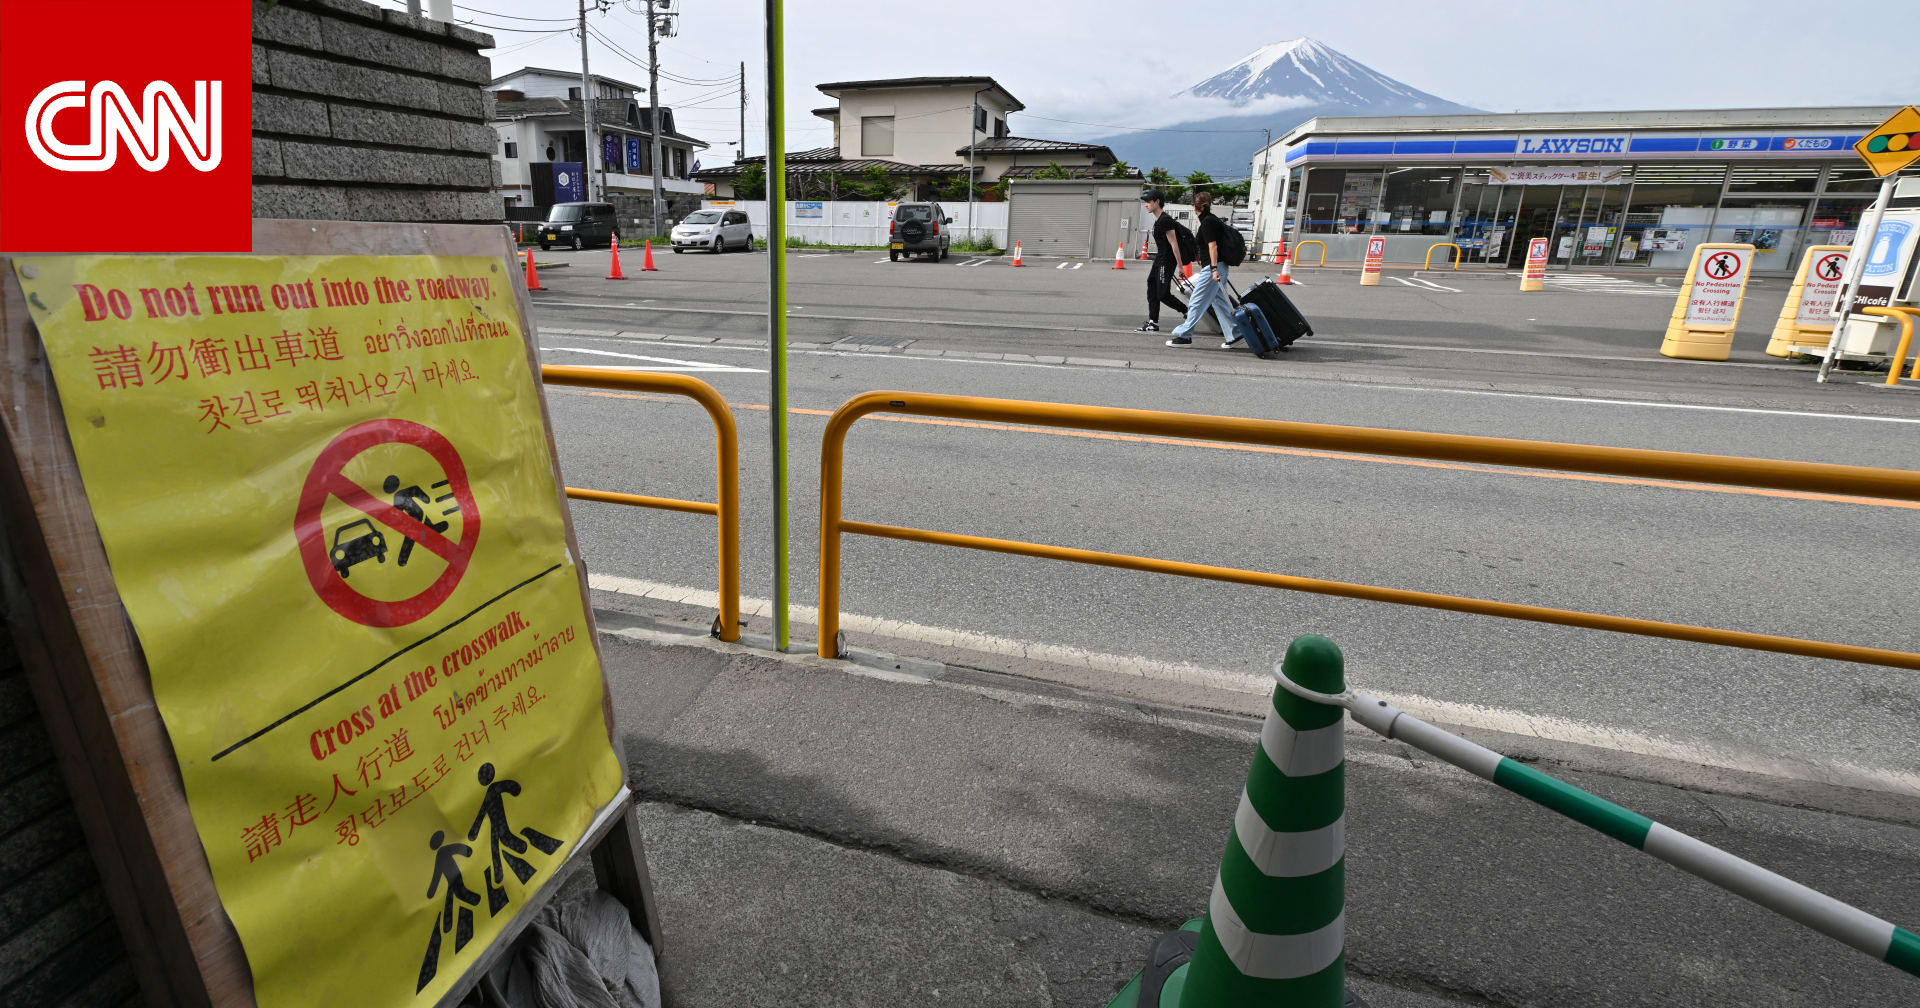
<point>387,204</point>
<point>297,72</point>
<point>462,101</point>
<point>383,126</point>
<point>351,8</point>
<point>378,44</point>
<point>462,64</point>
<point>282,114</point>
<point>266,157</point>
<point>403,21</point>
<point>285,25</point>
<point>477,138</point>
<point>474,173</point>
<point>297,201</point>
<point>323,163</point>
<point>476,39</point>
<point>473,206</point>
<point>260,74</point>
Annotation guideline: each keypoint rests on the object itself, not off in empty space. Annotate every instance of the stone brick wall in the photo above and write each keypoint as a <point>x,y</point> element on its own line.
<point>365,113</point>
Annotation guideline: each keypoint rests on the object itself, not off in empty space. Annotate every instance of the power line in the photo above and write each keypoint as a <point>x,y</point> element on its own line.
<point>642,65</point>
<point>514,17</point>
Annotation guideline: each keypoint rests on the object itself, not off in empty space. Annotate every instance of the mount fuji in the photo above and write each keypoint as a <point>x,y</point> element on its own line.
<point>1274,87</point>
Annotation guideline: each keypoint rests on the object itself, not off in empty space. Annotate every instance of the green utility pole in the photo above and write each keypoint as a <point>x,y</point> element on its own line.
<point>777,307</point>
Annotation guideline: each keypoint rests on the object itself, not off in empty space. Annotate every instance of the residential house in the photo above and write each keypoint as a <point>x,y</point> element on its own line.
<point>920,131</point>
<point>539,115</point>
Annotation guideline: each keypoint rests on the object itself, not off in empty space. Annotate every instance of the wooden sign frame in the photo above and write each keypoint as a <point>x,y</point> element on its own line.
<point>90,678</point>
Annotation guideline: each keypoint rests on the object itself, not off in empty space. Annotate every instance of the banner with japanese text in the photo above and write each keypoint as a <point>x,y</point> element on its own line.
<point>326,494</point>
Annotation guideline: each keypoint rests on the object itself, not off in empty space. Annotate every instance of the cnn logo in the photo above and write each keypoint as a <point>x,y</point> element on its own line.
<point>162,122</point>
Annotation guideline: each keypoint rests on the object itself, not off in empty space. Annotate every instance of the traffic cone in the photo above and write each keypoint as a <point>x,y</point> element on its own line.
<point>1275,929</point>
<point>533,275</point>
<point>1120,256</point>
<point>646,265</point>
<point>1016,254</point>
<point>613,272</point>
<point>1143,248</point>
<point>1280,253</point>
<point>1286,270</point>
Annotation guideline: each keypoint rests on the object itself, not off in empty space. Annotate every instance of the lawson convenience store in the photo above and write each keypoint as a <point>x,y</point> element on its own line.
<point>1608,190</point>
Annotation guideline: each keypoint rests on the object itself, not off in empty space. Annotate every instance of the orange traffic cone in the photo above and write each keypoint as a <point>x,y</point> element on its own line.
<point>1286,269</point>
<point>1143,247</point>
<point>1280,253</point>
<point>1016,254</point>
<point>646,264</point>
<point>613,272</point>
<point>1120,256</point>
<point>533,275</point>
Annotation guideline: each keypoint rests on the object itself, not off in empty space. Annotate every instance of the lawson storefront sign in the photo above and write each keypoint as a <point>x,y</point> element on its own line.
<point>1428,147</point>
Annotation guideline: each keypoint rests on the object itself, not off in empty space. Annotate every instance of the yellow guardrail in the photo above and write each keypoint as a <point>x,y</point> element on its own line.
<point>1310,241</point>
<point>1905,317</point>
<point>726,448</point>
<point>1441,245</point>
<point>1686,467</point>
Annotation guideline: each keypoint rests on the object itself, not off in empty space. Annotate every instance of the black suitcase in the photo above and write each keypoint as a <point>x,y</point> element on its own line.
<point>1287,322</point>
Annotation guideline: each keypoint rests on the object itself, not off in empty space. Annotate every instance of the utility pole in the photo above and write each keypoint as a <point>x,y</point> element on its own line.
<point>592,153</point>
<point>973,119</point>
<point>743,114</point>
<point>653,100</point>
<point>1263,194</point>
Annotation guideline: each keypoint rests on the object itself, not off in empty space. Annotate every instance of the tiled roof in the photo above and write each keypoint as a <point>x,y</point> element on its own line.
<point>811,166</point>
<point>1025,145</point>
<point>1075,172</point>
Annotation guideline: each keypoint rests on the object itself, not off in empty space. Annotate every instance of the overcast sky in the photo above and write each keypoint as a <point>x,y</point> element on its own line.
<point>1116,61</point>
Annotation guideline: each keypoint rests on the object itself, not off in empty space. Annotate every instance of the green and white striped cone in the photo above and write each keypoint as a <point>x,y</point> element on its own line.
<point>1275,929</point>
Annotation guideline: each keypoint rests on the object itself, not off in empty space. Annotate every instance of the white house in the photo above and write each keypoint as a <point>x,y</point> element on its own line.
<point>542,154</point>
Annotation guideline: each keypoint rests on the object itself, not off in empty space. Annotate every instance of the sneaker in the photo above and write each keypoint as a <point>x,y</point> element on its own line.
<point>1227,344</point>
<point>1149,326</point>
<point>1180,341</point>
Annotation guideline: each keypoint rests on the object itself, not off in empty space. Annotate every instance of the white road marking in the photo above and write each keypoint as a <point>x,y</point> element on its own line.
<point>878,261</point>
<point>1656,405</point>
<point>815,255</point>
<point>658,363</point>
<point>1417,282</point>
<point>1610,285</point>
<point>1549,727</point>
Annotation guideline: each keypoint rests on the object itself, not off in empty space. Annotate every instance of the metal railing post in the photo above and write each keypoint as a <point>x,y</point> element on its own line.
<point>1311,241</point>
<point>726,506</point>
<point>1905,317</point>
<point>1429,263</point>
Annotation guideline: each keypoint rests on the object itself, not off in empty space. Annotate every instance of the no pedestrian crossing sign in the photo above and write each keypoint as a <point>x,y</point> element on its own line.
<point>1719,280</point>
<point>1893,144</point>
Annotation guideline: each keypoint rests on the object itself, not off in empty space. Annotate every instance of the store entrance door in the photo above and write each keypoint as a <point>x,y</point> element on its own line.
<point>1539,211</point>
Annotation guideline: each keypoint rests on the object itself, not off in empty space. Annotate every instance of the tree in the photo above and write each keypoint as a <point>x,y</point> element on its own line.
<point>751,183</point>
<point>1120,169</point>
<point>1053,170</point>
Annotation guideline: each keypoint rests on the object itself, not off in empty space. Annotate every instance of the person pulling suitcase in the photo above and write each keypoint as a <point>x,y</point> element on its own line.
<point>1173,249</point>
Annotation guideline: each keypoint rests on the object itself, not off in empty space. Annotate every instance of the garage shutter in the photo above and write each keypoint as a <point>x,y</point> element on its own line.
<point>1052,223</point>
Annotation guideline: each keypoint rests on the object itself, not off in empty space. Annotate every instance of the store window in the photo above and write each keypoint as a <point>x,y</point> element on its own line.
<point>1835,219</point>
<point>1774,179</point>
<point>1668,212</point>
<point>1850,179</point>
<point>1342,200</point>
<point>1775,227</point>
<point>876,136</point>
<point>1418,201</point>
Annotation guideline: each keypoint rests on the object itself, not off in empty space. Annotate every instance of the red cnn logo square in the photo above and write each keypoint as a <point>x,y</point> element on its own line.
<point>126,126</point>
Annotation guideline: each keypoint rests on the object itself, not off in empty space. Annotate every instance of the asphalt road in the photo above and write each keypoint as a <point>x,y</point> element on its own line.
<point>1783,564</point>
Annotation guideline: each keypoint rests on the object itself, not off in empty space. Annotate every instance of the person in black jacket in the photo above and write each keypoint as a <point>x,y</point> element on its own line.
<point>1170,254</point>
<point>1209,276</point>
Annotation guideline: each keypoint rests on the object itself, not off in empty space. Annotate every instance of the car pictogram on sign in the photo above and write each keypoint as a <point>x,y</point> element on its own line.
<point>329,559</point>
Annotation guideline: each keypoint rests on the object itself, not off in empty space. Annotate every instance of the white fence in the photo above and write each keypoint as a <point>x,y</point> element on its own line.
<point>843,222</point>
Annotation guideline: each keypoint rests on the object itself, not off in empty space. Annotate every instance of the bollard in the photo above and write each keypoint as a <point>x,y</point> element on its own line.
<point>1370,266</point>
<point>1275,927</point>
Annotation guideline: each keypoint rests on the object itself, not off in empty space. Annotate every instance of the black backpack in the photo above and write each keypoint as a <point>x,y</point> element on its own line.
<point>1233,245</point>
<point>1189,249</point>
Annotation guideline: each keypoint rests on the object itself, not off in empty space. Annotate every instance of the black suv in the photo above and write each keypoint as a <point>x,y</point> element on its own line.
<point>918,227</point>
<point>579,225</point>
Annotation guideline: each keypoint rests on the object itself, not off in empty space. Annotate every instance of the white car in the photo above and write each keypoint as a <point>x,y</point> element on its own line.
<point>713,230</point>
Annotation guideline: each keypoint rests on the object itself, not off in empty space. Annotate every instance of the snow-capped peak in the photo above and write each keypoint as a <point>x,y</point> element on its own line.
<point>1304,68</point>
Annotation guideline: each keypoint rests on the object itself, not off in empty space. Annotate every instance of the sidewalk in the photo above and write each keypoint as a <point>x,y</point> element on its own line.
<point>825,834</point>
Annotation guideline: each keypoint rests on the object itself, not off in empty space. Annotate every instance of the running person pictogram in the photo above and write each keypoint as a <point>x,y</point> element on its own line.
<point>1722,265</point>
<point>408,501</point>
<point>1830,267</point>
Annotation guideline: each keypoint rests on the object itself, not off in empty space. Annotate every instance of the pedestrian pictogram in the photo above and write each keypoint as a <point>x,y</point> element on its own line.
<point>1722,265</point>
<point>1830,266</point>
<point>1893,144</point>
<point>372,541</point>
<point>505,844</point>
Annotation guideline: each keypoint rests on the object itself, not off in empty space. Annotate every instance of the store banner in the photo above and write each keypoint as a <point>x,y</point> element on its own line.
<point>610,151</point>
<point>1554,175</point>
<point>633,155</point>
<point>323,488</point>
<point>569,182</point>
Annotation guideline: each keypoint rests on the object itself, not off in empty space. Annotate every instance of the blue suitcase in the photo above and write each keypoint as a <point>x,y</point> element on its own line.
<point>1251,328</point>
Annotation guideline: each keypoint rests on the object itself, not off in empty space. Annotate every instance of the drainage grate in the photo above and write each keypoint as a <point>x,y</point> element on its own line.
<point>890,342</point>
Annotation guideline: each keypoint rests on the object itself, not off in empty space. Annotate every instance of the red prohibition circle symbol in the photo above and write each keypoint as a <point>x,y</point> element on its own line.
<point>1722,265</point>
<point>1830,266</point>
<point>327,479</point>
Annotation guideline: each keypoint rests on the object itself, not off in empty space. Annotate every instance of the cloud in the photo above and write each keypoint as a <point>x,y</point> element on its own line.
<point>1141,108</point>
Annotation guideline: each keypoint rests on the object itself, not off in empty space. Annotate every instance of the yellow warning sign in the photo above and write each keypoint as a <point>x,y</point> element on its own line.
<point>325,492</point>
<point>1893,144</point>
